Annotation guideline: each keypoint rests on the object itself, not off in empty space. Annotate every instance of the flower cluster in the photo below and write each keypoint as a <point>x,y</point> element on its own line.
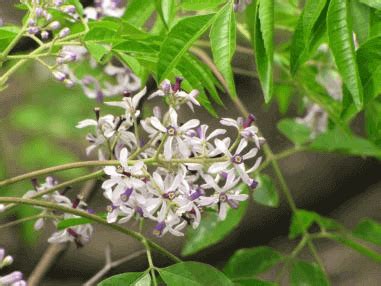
<point>12,279</point>
<point>102,8</point>
<point>79,234</point>
<point>170,172</point>
<point>42,22</point>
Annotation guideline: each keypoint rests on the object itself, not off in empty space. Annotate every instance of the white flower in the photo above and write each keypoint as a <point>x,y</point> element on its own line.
<point>79,234</point>
<point>236,160</point>
<point>225,196</point>
<point>175,134</point>
<point>199,141</point>
<point>245,128</point>
<point>316,119</point>
<point>176,95</point>
<point>168,222</point>
<point>130,103</point>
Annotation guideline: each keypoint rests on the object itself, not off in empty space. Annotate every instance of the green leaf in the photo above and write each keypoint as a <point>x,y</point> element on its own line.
<point>310,28</point>
<point>302,220</point>
<point>178,41</point>
<point>138,12</point>
<point>98,51</point>
<point>223,44</point>
<point>200,4</point>
<point>361,16</point>
<point>193,274</point>
<point>296,132</point>
<point>168,8</point>
<point>342,46</point>
<point>265,193</point>
<point>252,282</point>
<point>131,279</point>
<point>347,241</point>
<point>212,230</point>
<point>373,121</point>
<point>7,33</point>
<point>372,3</point>
<point>368,230</point>
<point>307,274</point>
<point>188,70</point>
<point>72,222</point>
<point>369,62</point>
<point>338,141</point>
<point>264,46</point>
<point>250,262</point>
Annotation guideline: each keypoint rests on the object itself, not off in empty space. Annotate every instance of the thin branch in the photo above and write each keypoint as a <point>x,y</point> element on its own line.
<point>109,264</point>
<point>47,260</point>
<point>94,218</point>
<point>61,186</point>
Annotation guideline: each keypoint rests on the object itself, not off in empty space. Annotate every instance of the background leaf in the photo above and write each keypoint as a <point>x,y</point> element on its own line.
<point>368,230</point>
<point>307,274</point>
<point>265,193</point>
<point>309,30</point>
<point>249,263</point>
<point>131,278</point>
<point>263,45</point>
<point>341,44</point>
<point>178,40</point>
<point>193,274</point>
<point>223,44</point>
<point>296,132</point>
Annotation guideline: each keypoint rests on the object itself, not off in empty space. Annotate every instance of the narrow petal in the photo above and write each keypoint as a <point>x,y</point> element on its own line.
<point>157,124</point>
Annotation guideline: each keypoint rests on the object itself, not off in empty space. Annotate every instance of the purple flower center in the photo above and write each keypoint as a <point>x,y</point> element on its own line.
<point>237,159</point>
<point>223,198</point>
<point>158,229</point>
<point>171,131</point>
<point>126,195</point>
<point>170,195</point>
<point>110,208</point>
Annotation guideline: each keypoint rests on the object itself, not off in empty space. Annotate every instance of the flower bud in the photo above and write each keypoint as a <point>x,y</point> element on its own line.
<point>68,83</point>
<point>33,30</point>
<point>32,22</point>
<point>44,35</point>
<point>39,224</point>
<point>2,208</point>
<point>8,260</point>
<point>39,11</point>
<point>54,25</point>
<point>70,9</point>
<point>47,16</point>
<point>58,3</point>
<point>2,254</point>
<point>64,32</point>
<point>60,76</point>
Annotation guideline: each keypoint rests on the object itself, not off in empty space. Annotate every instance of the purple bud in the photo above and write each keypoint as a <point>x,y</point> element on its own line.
<point>32,22</point>
<point>64,32</point>
<point>165,86</point>
<point>60,76</point>
<point>39,224</point>
<point>39,11</point>
<point>99,96</point>
<point>47,15</point>
<point>44,35</point>
<point>253,184</point>
<point>139,210</point>
<point>70,9</point>
<point>196,194</point>
<point>250,119</point>
<point>58,3</point>
<point>33,30</point>
<point>54,25</point>
<point>91,211</point>
<point>177,86</point>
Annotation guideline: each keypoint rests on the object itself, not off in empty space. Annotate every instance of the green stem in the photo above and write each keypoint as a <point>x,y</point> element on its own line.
<point>61,186</point>
<point>94,218</point>
<point>25,219</point>
<point>96,163</point>
<point>150,262</point>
